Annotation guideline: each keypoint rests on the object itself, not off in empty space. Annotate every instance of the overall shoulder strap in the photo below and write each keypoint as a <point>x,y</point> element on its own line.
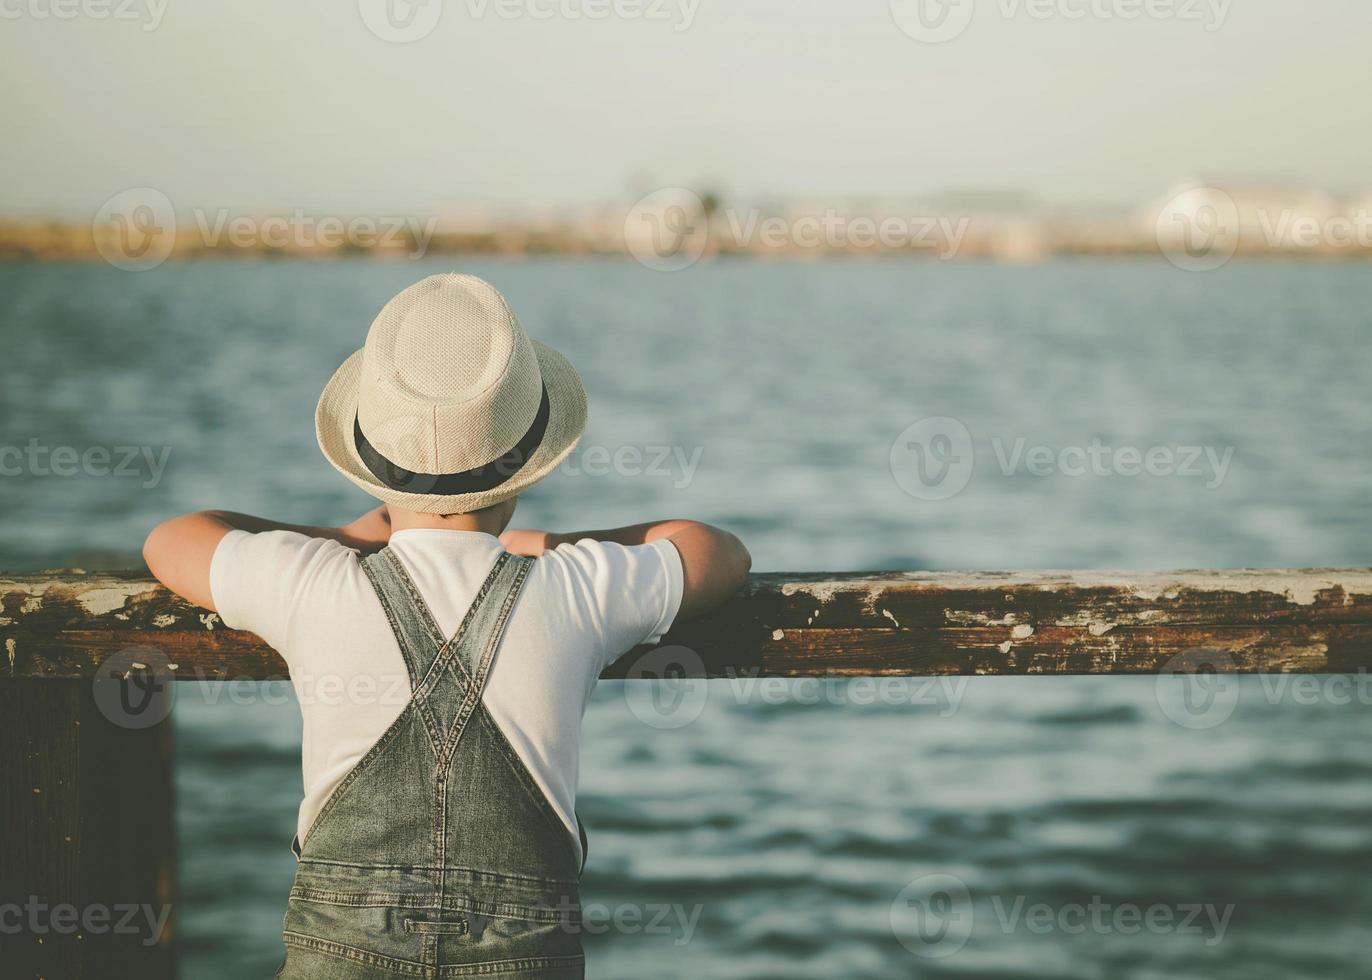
<point>474,643</point>
<point>408,614</point>
<point>477,640</point>
<point>446,679</point>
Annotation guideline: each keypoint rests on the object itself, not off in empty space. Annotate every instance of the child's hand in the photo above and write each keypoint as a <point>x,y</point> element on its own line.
<point>531,544</point>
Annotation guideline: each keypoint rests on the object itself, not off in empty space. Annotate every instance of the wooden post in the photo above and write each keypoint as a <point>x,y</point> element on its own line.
<point>86,838</point>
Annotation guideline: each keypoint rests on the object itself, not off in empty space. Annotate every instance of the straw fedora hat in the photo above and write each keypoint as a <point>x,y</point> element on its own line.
<point>449,407</point>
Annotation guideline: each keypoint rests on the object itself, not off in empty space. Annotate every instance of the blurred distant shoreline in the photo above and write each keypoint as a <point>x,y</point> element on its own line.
<point>1197,224</point>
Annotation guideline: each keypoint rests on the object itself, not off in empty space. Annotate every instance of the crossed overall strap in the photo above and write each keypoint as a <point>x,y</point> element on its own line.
<point>446,677</point>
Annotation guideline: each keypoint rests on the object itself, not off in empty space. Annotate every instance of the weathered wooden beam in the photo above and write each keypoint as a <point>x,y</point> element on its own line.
<point>86,776</point>
<point>68,624</point>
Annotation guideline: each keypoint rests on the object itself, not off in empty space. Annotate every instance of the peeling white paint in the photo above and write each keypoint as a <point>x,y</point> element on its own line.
<point>6,621</point>
<point>1099,628</point>
<point>963,617</point>
<point>1296,586</point>
<point>888,614</point>
<point>99,602</point>
<point>11,649</point>
<point>822,592</point>
<point>1006,647</point>
<point>778,634</point>
<point>32,604</point>
<point>163,620</point>
<point>1022,632</point>
<point>209,619</point>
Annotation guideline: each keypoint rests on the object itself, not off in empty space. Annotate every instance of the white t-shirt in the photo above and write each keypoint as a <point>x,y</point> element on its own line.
<point>581,607</point>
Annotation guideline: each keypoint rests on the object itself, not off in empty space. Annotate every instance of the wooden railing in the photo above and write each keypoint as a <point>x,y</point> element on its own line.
<point>87,800</point>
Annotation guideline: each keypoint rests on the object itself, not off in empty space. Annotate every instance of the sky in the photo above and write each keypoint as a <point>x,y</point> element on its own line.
<point>354,106</point>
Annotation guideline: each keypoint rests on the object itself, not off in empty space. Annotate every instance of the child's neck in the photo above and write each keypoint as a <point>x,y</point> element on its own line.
<point>490,521</point>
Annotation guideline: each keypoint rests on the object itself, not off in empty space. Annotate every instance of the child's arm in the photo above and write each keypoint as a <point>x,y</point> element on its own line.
<point>179,551</point>
<point>714,562</point>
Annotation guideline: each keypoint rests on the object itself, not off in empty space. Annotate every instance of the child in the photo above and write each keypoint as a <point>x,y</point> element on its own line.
<point>441,670</point>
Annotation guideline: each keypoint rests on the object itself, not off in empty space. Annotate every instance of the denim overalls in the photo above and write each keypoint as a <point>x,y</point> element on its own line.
<point>438,855</point>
